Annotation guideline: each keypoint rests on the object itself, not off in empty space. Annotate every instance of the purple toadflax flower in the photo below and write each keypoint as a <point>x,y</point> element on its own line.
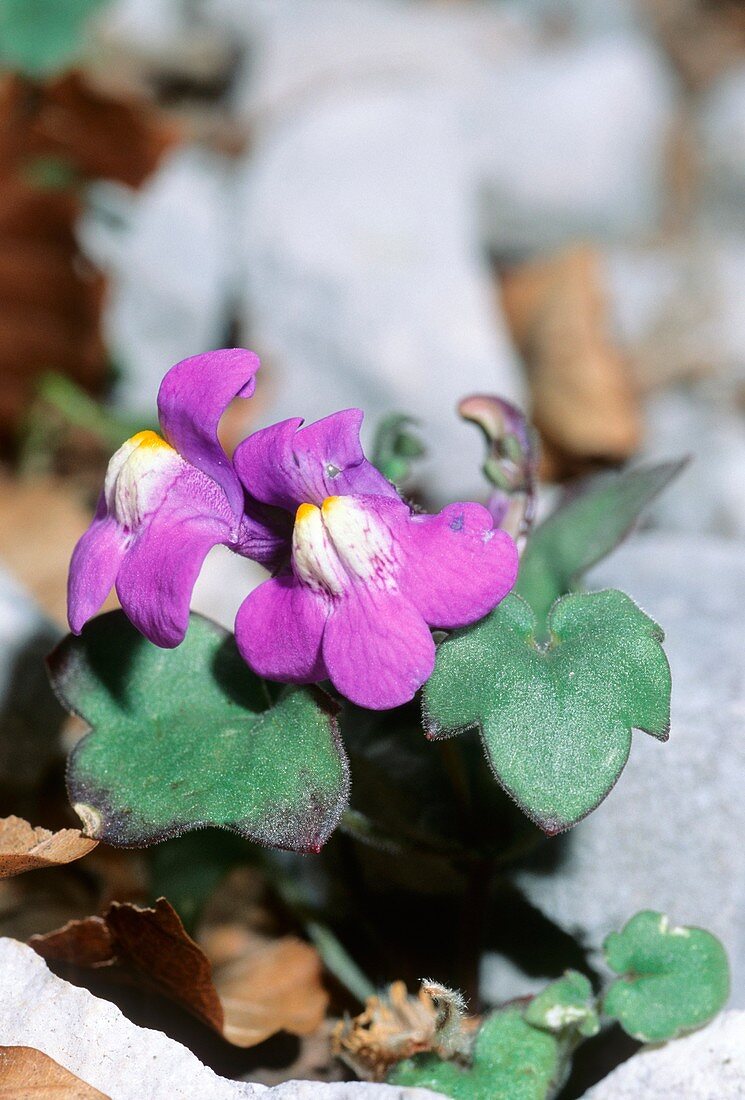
<point>364,578</point>
<point>166,502</point>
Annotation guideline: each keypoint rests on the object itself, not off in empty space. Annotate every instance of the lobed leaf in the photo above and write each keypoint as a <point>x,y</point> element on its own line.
<point>187,737</point>
<point>510,1061</point>
<point>555,720</point>
<point>674,979</point>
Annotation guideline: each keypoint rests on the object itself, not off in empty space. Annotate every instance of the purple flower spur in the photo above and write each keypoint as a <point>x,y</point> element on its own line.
<point>363,578</point>
<point>166,502</point>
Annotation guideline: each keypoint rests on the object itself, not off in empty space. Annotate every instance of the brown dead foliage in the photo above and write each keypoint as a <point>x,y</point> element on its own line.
<point>397,1025</point>
<point>584,402</point>
<point>29,1074</point>
<point>25,848</point>
<point>273,986</point>
<point>50,296</point>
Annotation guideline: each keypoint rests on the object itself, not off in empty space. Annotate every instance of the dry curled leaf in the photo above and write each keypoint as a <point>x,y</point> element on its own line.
<point>25,848</point>
<point>396,1025</point>
<point>584,401</point>
<point>274,986</point>
<point>29,1074</point>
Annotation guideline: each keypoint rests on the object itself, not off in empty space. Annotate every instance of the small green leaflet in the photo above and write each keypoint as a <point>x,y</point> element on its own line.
<point>511,1061</point>
<point>564,1006</point>
<point>187,737</point>
<point>555,720</point>
<point>396,447</point>
<point>582,532</point>
<point>675,979</point>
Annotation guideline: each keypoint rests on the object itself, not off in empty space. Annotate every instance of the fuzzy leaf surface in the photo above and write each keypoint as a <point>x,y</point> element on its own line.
<point>568,1004</point>
<point>187,737</point>
<point>583,531</point>
<point>555,720</point>
<point>511,1061</point>
<point>674,979</point>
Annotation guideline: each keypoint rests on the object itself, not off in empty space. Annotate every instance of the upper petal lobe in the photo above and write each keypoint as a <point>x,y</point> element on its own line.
<point>192,398</point>
<point>286,465</point>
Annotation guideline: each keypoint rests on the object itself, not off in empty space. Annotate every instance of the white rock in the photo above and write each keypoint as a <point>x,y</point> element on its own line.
<point>709,495</point>
<point>721,136</point>
<point>707,1065</point>
<point>166,251</point>
<point>666,837</point>
<point>92,1039</point>
<point>570,141</point>
<point>361,282</point>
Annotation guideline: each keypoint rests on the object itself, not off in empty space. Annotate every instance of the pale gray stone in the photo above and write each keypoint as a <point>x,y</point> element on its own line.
<point>92,1039</point>
<point>668,835</point>
<point>707,1065</point>
<point>166,251</point>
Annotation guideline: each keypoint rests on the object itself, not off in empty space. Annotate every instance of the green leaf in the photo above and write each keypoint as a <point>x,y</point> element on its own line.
<point>186,737</point>
<point>582,532</point>
<point>675,979</point>
<point>511,1061</point>
<point>40,37</point>
<point>188,869</point>
<point>568,1004</point>
<point>555,720</point>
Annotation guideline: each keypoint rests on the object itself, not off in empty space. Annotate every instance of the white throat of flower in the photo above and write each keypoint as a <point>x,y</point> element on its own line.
<point>340,543</point>
<point>137,477</point>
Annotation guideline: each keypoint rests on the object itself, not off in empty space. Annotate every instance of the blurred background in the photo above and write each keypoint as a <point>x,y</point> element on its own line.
<point>396,203</point>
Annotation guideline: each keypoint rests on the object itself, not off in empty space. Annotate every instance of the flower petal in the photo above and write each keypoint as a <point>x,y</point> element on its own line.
<point>192,398</point>
<point>457,566</point>
<point>279,628</point>
<point>377,647</point>
<point>93,568</point>
<point>284,466</point>
<point>160,567</point>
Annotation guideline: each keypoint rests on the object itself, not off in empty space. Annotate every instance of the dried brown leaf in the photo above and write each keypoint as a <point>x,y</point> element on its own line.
<point>391,1027</point>
<point>584,401</point>
<point>273,986</point>
<point>29,1074</point>
<point>41,519</point>
<point>25,848</point>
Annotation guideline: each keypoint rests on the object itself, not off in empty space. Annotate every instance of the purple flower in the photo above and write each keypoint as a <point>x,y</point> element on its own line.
<point>166,502</point>
<point>363,578</point>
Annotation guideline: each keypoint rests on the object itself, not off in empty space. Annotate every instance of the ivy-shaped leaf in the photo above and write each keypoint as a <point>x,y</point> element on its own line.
<point>187,737</point>
<point>675,979</point>
<point>566,1005</point>
<point>583,531</point>
<point>510,1061</point>
<point>555,720</point>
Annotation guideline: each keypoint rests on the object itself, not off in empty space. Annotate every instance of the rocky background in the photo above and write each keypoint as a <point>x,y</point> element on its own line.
<point>396,203</point>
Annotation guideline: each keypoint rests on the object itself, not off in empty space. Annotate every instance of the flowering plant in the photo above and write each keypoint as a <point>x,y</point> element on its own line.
<point>381,635</point>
